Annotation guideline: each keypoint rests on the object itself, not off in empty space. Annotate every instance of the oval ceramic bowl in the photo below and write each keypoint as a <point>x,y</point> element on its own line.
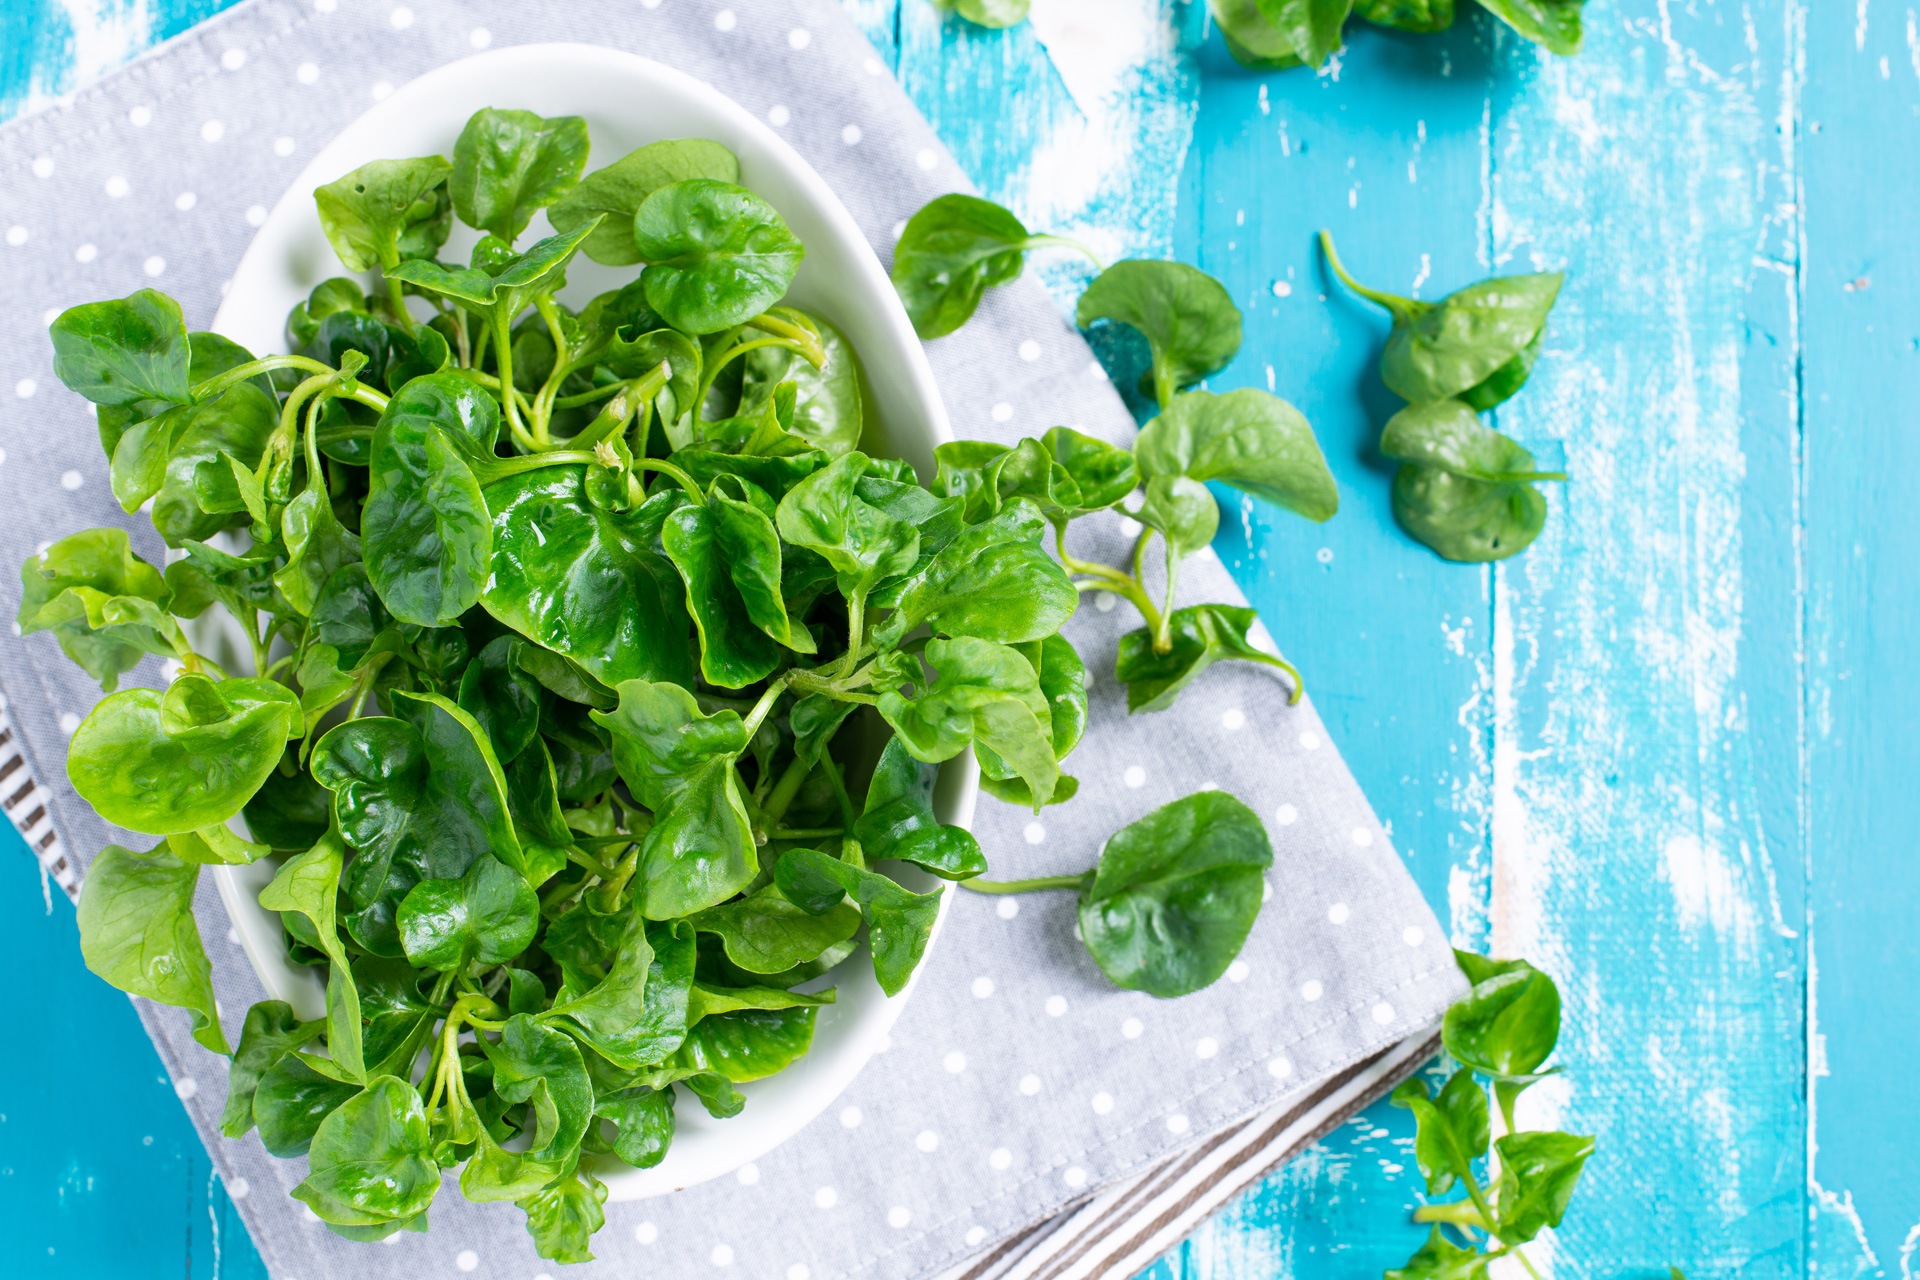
<point>628,101</point>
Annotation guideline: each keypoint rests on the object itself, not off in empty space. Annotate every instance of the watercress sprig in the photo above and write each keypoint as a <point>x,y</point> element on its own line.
<point>1272,35</point>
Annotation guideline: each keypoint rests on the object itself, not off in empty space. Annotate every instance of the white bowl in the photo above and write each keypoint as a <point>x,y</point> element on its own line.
<point>628,101</point>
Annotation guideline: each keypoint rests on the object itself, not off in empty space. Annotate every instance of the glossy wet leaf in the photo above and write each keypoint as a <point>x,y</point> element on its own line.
<point>197,496</point>
<point>863,544</point>
<point>1452,1127</point>
<point>1538,1172</point>
<point>618,191</point>
<point>1441,1259</point>
<point>750,1044</point>
<point>502,697</point>
<point>1063,683</point>
<point>1175,894</point>
<point>1184,512</point>
<point>104,604</point>
<point>735,651</point>
<point>133,351</point>
<point>1186,316</point>
<point>986,693</point>
<point>1255,442</point>
<point>370,1161</point>
<point>509,164</point>
<point>717,254</point>
<point>498,285</point>
<point>166,763</point>
<point>291,1100</point>
<point>489,914</point>
<point>638,1013</point>
<point>1202,635</point>
<point>1464,489</point>
<point>993,582</point>
<point>318,546</point>
<point>386,210</point>
<point>1250,38</point>
<point>765,933</point>
<point>899,921</point>
<point>828,411</point>
<point>536,1063</point>
<point>700,851</point>
<point>289,811</point>
<point>1555,25</point>
<point>897,821</point>
<point>661,738</point>
<point>269,1034</point>
<point>1509,1023</point>
<point>137,931</point>
<point>643,1124</point>
<point>951,252</point>
<point>309,883</point>
<point>563,1217</point>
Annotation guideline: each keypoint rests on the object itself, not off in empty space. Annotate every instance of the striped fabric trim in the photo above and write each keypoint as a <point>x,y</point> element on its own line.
<point>29,806</point>
<point>1122,1228</point>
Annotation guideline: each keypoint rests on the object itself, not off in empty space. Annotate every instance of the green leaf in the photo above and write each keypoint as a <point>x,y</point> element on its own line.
<point>1552,24</point>
<point>765,933</point>
<point>536,1063</point>
<point>718,255</point>
<point>638,1014</point>
<point>735,651</point>
<point>563,1217</point>
<point>1312,27</point>
<point>137,931</point>
<point>489,914</point>
<point>1202,634</point>
<point>1184,512</point>
<point>1186,316</point>
<point>828,410</point>
<point>310,885</point>
<point>290,1102</point>
<point>706,1001</point>
<point>317,547</point>
<point>700,851</point>
<point>1441,1259</point>
<point>427,535</point>
<point>1452,1127</point>
<point>270,1033</point>
<point>618,191</point>
<point>1508,1024</point>
<point>951,253</point>
<point>863,544</point>
<point>125,352</point>
<point>661,738</point>
<point>899,921</point>
<point>1407,15</point>
<point>585,582</point>
<point>993,582</point>
<point>1255,442</point>
<point>985,693</point>
<point>1175,894</point>
<point>503,699</point>
<point>748,1045</point>
<point>499,285</point>
<point>370,1162</point>
<point>1063,683</point>
<point>897,822</point>
<point>197,497</point>
<point>368,214</point>
<point>188,758</point>
<point>89,590</point>
<point>1251,39</point>
<point>717,1094</point>
<point>643,1124</point>
<point>1464,489</point>
<point>988,13</point>
<point>1537,1176</point>
<point>216,845</point>
<point>509,164</point>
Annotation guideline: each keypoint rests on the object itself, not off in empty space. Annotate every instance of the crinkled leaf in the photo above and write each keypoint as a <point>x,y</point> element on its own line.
<point>270,1033</point>
<point>897,821</point>
<point>717,254</point>
<point>1186,316</point>
<point>509,164</point>
<point>765,933</point>
<point>489,914</point>
<point>1538,1172</point>
<point>370,1161</point>
<point>1255,442</point>
<point>618,191</point>
<point>137,931</point>
<point>899,921</point>
<point>986,693</point>
<point>370,212</point>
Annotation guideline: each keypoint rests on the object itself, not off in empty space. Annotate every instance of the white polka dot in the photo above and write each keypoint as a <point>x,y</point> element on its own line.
<point>955,1062</point>
<point>850,1118</point>
<point>927,1140</point>
<point>851,135</point>
<point>479,37</point>
<point>234,59</point>
<point>1001,1158</point>
<point>326,6</point>
<point>43,166</point>
<point>1177,1123</point>
<point>722,1255</point>
<point>926,158</point>
<point>1279,1068</point>
<point>1129,527</point>
<point>1102,1103</point>
<point>1311,990</point>
<point>1338,913</point>
<point>185,201</point>
<point>1132,1028</point>
<point>1035,833</point>
<point>306,73</point>
<point>86,253</point>
<point>1324,555</point>
<point>1056,1006</point>
<point>1282,289</point>
<point>1135,776</point>
<point>401,18</point>
<point>16,235</point>
<point>1266,889</point>
<point>982,987</point>
<point>975,1235</point>
<point>1075,1177</point>
<point>283,146</point>
<point>1207,1047</point>
<point>1003,412</point>
<point>825,1198</point>
<point>140,117</point>
<point>1029,1085</point>
<point>1234,719</point>
<point>212,131</point>
<point>1414,936</point>
<point>1383,1013</point>
<point>874,67</point>
<point>778,116</point>
<point>1238,971</point>
<point>237,1189</point>
<point>1029,351</point>
<point>25,388</point>
<point>748,1174</point>
<point>1310,741</point>
<point>466,1259</point>
<point>48,316</point>
<point>724,20</point>
<point>69,722</point>
<point>649,4</point>
<point>256,214</point>
<point>155,265</point>
<point>1286,815</point>
<point>117,186</point>
<point>1209,786</point>
<point>799,1271</point>
<point>646,1232</point>
<point>380,90</point>
<point>1362,837</point>
<point>1007,908</point>
<point>71,480</point>
<point>184,1089</point>
<point>799,38</point>
<point>1104,601</point>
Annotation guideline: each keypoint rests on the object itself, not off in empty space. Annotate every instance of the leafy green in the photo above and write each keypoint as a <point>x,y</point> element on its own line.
<point>387,210</point>
<point>618,191</point>
<point>899,921</point>
<point>717,254</point>
<point>1187,317</point>
<point>1463,489</point>
<point>951,252</point>
<point>509,164</point>
<point>137,931</point>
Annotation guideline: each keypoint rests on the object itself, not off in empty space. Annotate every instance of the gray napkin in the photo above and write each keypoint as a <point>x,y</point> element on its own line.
<point>1019,1083</point>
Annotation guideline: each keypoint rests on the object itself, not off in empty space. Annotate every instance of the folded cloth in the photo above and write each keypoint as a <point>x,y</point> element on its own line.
<point>1029,1119</point>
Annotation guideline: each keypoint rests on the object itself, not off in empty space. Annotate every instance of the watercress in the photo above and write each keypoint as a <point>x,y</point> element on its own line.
<point>1272,35</point>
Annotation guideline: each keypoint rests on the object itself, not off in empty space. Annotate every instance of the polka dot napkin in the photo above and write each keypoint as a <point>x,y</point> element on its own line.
<point>1028,1119</point>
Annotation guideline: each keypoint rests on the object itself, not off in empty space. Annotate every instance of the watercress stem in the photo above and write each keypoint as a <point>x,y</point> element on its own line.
<point>1035,242</point>
<point>673,473</point>
<point>805,833</point>
<point>503,361</point>
<point>240,373</point>
<point>397,300</point>
<point>1025,886</point>
<point>786,789</point>
<point>764,707</point>
<point>1392,302</point>
<point>856,633</point>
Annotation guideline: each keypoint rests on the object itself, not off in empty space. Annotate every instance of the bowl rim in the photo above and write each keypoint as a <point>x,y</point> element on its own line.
<point>786,1107</point>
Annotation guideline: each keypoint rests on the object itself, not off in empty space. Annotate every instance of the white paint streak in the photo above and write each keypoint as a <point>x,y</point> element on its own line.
<point>1860,25</point>
<point>104,34</point>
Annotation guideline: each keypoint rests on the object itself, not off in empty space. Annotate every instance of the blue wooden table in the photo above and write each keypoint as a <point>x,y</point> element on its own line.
<point>1667,754</point>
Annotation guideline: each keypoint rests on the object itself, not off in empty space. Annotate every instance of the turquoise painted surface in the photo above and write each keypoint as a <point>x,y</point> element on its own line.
<point>1666,753</point>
